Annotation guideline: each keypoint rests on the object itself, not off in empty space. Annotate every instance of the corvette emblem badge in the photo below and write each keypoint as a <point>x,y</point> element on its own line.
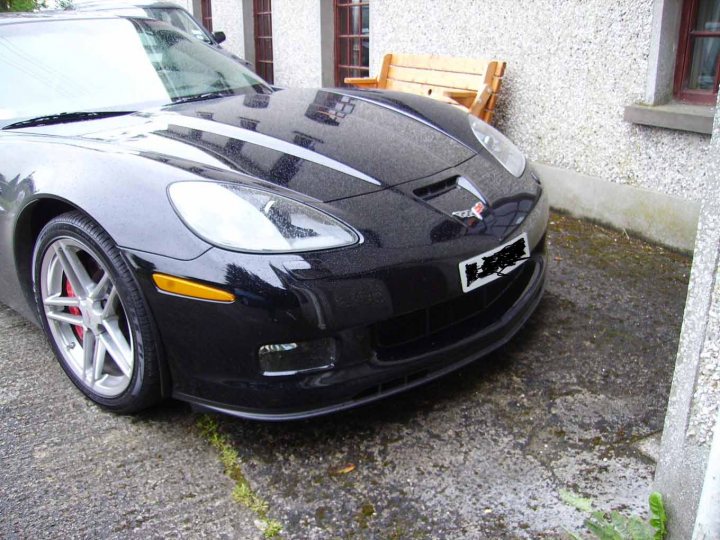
<point>476,211</point>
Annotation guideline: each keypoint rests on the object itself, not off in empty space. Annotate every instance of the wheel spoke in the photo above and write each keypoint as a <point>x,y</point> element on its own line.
<point>109,310</point>
<point>73,268</point>
<point>75,320</point>
<point>99,288</point>
<point>117,346</point>
<point>98,360</point>
<point>61,301</point>
<point>89,345</point>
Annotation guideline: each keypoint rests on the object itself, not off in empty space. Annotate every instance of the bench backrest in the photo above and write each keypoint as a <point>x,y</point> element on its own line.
<point>433,75</point>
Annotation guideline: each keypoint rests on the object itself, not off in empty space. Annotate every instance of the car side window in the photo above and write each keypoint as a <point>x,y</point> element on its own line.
<point>180,20</point>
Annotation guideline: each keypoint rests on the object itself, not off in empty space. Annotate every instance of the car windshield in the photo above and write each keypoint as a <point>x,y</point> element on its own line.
<point>60,66</point>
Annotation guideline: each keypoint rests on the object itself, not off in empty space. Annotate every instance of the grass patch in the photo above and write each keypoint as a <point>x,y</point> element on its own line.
<point>242,492</point>
<point>616,526</point>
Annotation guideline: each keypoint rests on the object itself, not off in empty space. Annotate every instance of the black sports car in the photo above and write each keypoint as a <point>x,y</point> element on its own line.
<point>180,229</point>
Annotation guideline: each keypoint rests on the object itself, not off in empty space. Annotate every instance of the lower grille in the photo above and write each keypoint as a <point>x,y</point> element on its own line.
<point>418,332</point>
<point>385,387</point>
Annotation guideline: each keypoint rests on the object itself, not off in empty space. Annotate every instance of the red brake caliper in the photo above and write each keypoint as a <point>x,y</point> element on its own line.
<point>79,330</point>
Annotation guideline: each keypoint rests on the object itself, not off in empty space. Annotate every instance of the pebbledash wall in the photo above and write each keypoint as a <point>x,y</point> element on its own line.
<point>573,68</point>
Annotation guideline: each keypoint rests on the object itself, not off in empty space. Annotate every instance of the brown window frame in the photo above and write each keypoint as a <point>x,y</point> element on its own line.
<point>688,34</point>
<point>345,38</point>
<point>264,62</point>
<point>206,15</point>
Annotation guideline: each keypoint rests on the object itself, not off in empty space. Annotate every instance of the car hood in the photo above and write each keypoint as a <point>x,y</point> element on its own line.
<point>321,143</point>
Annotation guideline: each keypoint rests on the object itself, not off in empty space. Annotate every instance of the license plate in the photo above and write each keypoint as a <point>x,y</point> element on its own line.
<point>493,264</point>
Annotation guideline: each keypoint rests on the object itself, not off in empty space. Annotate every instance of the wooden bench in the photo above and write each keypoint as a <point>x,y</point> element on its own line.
<point>469,84</point>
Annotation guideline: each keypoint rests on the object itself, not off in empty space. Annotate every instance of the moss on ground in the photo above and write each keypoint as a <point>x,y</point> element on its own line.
<point>242,492</point>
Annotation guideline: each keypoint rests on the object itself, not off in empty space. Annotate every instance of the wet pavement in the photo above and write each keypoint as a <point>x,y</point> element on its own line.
<point>482,453</point>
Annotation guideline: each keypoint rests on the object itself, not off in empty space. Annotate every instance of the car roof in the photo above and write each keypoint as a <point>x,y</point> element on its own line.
<point>56,15</point>
<point>113,4</point>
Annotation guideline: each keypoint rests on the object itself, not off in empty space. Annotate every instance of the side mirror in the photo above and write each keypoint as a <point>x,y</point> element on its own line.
<point>219,36</point>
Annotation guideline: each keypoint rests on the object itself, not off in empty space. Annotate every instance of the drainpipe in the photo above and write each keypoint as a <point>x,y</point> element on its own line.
<point>707,522</point>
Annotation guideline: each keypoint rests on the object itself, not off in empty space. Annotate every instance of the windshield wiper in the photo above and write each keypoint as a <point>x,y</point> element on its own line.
<point>203,96</point>
<point>64,117</point>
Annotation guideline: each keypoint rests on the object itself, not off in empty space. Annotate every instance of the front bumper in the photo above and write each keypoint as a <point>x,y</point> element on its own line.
<point>399,320</point>
<point>364,383</point>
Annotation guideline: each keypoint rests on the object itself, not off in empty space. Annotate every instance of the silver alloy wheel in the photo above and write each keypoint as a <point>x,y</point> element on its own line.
<point>86,317</point>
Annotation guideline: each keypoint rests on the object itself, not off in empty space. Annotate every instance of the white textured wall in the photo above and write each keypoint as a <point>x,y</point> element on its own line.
<point>228,17</point>
<point>296,43</point>
<point>572,67</point>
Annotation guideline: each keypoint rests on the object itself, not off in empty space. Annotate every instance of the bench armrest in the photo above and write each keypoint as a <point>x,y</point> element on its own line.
<point>460,93</point>
<point>463,97</point>
<point>481,101</point>
<point>362,81</point>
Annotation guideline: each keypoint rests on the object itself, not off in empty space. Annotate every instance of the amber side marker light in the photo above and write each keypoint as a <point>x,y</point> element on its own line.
<point>185,287</point>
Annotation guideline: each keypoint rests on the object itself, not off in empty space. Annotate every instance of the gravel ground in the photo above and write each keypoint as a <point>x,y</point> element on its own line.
<point>482,453</point>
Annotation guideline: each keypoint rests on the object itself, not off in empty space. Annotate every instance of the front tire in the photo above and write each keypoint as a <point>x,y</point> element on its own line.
<point>94,315</point>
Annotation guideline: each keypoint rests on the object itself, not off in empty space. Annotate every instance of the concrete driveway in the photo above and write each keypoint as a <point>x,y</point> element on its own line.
<point>70,470</point>
<point>482,453</point>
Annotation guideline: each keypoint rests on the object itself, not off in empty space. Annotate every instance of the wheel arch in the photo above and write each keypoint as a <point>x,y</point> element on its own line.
<point>31,220</point>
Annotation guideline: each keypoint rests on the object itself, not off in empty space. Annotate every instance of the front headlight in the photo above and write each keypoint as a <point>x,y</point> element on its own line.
<point>499,146</point>
<point>247,219</point>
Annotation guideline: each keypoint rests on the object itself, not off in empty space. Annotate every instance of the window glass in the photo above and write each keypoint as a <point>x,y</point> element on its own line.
<point>262,17</point>
<point>352,39</point>
<point>708,18</point>
<point>698,61</point>
<point>703,70</point>
<point>706,49</point>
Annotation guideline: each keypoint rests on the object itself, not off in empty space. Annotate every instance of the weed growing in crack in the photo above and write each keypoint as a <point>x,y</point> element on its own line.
<point>616,526</point>
<point>242,492</point>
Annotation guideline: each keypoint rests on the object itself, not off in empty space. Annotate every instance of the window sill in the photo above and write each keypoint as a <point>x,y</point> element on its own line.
<point>680,116</point>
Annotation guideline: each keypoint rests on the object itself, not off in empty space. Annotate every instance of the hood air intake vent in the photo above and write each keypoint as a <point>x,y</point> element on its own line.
<point>438,188</point>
